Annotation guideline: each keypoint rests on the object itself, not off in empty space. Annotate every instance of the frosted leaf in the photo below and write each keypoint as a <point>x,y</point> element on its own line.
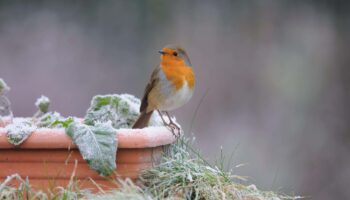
<point>5,106</point>
<point>19,130</point>
<point>53,120</point>
<point>97,144</point>
<point>43,104</point>
<point>122,110</point>
<point>3,87</point>
<point>48,118</point>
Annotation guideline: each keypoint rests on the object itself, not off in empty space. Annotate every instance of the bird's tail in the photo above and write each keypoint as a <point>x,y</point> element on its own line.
<point>143,120</point>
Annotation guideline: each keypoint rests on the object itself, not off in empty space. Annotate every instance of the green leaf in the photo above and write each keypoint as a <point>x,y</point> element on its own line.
<point>5,106</point>
<point>97,144</point>
<point>47,120</point>
<point>122,110</point>
<point>64,123</point>
<point>19,130</point>
<point>3,87</point>
<point>53,120</point>
<point>43,104</point>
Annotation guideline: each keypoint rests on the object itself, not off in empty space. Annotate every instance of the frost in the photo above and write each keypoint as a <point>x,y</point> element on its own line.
<point>96,139</point>
<point>19,130</point>
<point>45,118</point>
<point>53,120</point>
<point>96,136</point>
<point>97,144</point>
<point>43,104</point>
<point>48,119</point>
<point>122,110</point>
<point>252,187</point>
<point>5,105</point>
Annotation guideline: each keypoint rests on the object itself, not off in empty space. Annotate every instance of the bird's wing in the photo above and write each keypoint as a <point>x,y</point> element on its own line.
<point>150,85</point>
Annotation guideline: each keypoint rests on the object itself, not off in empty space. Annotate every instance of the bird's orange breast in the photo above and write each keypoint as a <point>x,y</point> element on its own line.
<point>178,73</point>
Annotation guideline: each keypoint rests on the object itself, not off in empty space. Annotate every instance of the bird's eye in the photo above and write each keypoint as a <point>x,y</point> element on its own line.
<point>175,53</point>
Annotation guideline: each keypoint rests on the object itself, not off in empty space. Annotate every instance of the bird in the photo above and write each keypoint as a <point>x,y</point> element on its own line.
<point>171,85</point>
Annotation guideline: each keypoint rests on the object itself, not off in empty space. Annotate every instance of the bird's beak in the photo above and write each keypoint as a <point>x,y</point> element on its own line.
<point>161,52</point>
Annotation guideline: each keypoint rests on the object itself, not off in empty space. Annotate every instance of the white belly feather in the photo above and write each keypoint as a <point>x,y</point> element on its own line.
<point>165,97</point>
<point>176,99</point>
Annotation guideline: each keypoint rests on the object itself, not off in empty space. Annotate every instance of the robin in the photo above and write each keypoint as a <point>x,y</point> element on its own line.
<point>171,86</point>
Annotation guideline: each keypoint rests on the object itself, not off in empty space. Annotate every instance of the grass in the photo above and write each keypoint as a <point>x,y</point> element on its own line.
<point>187,176</point>
<point>25,191</point>
<point>183,174</point>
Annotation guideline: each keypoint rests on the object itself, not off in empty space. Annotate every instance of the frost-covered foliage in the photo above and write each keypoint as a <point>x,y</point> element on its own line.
<point>3,87</point>
<point>184,174</point>
<point>48,119</point>
<point>126,190</point>
<point>95,136</point>
<point>97,144</point>
<point>53,120</point>
<point>5,105</point>
<point>25,191</point>
<point>43,104</point>
<point>122,110</point>
<point>19,130</point>
<point>44,118</point>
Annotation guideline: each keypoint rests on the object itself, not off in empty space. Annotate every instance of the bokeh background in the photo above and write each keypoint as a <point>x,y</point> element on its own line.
<point>273,77</point>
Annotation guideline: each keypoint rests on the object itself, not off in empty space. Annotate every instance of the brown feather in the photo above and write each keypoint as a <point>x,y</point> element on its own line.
<point>143,120</point>
<point>153,81</point>
<point>145,116</point>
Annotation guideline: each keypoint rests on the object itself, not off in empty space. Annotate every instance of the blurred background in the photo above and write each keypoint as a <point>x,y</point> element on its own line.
<point>273,77</point>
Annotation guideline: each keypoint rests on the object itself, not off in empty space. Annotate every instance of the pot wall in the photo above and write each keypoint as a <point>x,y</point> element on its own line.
<point>48,157</point>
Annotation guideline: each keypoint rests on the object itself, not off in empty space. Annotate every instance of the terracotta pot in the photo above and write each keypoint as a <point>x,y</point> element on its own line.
<point>48,157</point>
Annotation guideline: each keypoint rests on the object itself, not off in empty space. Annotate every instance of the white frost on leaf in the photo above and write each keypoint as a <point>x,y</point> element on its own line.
<point>97,144</point>
<point>43,103</point>
<point>5,105</point>
<point>3,87</point>
<point>122,110</point>
<point>19,130</point>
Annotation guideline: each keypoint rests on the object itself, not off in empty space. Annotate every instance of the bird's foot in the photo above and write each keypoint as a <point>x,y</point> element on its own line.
<point>175,129</point>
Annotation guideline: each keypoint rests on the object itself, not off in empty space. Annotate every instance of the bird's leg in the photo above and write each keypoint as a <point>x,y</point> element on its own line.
<point>173,126</point>
<point>161,116</point>
<point>171,123</point>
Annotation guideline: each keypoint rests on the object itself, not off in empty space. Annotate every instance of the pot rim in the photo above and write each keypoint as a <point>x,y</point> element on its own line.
<point>46,138</point>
